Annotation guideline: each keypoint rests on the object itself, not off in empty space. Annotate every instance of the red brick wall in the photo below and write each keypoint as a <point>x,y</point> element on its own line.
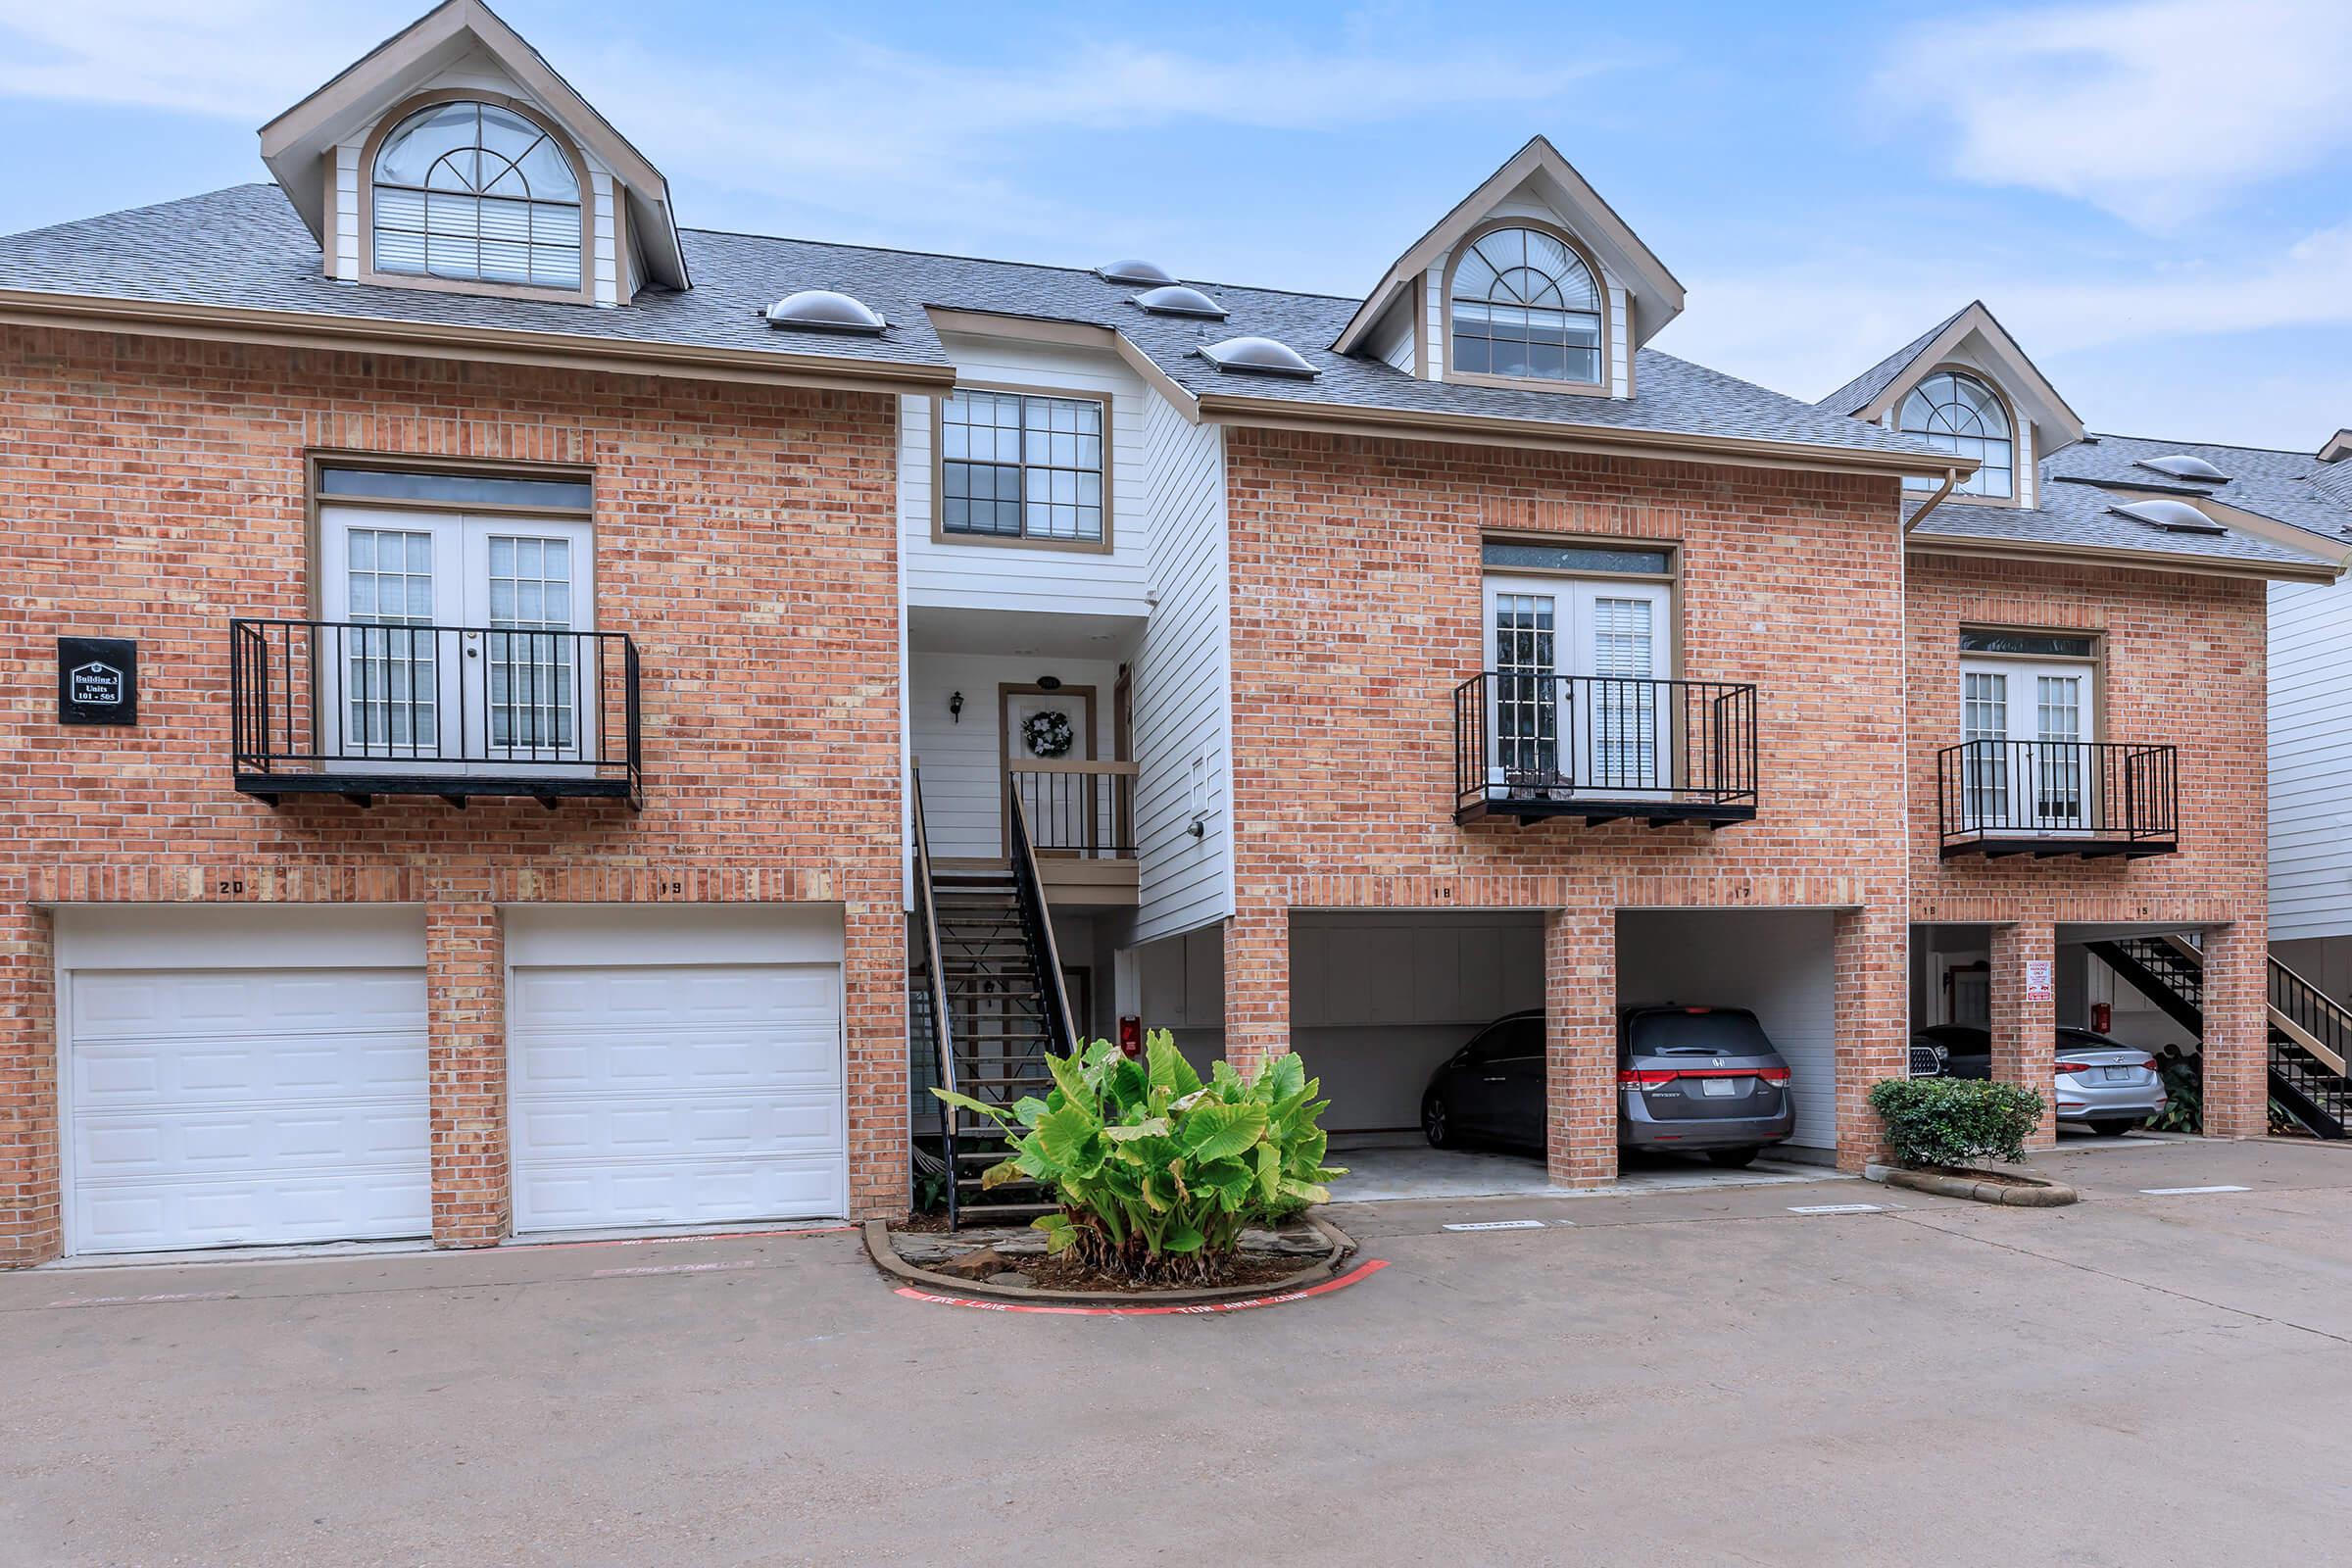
<point>744,538</point>
<point>1358,610</point>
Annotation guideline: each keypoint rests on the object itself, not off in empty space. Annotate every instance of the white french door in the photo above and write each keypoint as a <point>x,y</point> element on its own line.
<point>441,649</point>
<point>1571,705</point>
<point>2024,769</point>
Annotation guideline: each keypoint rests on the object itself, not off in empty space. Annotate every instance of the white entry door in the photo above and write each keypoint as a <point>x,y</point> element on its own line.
<point>2023,771</point>
<point>1571,705</point>
<point>438,651</point>
<point>664,1094</point>
<point>224,1106</point>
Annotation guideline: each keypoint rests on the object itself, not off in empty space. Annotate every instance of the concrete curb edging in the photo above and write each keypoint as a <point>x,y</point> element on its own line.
<point>2040,1192</point>
<point>887,1259</point>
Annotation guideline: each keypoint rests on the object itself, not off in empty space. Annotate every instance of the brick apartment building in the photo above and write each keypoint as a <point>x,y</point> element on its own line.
<point>610,696</point>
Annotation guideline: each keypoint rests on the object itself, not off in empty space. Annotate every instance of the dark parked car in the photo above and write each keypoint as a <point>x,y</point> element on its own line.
<point>1705,1080</point>
<point>2100,1082</point>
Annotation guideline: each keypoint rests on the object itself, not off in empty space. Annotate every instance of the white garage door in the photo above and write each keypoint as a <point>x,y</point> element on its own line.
<point>215,1106</point>
<point>677,1095</point>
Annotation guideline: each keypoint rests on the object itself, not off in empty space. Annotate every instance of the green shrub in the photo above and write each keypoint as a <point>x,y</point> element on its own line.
<point>1158,1174</point>
<point>1954,1122</point>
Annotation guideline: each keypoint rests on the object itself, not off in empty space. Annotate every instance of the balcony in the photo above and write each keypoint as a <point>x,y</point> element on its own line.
<point>1081,820</point>
<point>2057,798</point>
<point>1604,748</point>
<point>362,711</point>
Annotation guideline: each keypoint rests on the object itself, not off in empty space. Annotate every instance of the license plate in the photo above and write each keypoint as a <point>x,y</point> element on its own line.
<point>1719,1086</point>
<point>2118,1074</point>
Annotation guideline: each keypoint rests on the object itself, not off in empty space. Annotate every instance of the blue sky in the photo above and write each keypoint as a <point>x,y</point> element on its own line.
<point>2152,194</point>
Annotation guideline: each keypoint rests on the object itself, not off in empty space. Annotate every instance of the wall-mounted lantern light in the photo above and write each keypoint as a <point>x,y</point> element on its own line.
<point>956,707</point>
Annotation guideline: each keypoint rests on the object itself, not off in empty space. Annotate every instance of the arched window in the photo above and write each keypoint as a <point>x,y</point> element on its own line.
<point>473,190</point>
<point>1524,305</point>
<point>1960,413</point>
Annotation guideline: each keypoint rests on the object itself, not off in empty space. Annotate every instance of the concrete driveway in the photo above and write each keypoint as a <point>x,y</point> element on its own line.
<point>1689,1377</point>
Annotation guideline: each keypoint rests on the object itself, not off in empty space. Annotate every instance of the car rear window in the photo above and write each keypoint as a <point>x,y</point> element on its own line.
<point>1699,1034</point>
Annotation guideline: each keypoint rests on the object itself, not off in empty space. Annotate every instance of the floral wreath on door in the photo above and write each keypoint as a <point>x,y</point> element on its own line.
<point>1048,734</point>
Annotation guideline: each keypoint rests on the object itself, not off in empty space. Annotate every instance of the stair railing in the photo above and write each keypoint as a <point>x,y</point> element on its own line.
<point>1039,919</point>
<point>933,977</point>
<point>2310,1017</point>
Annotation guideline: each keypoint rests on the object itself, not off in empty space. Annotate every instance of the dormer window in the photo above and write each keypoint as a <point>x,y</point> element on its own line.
<point>1524,306</point>
<point>476,192</point>
<point>1958,413</point>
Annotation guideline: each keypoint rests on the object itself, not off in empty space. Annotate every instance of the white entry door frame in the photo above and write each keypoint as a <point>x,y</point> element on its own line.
<point>435,657</point>
<point>2025,769</point>
<point>1552,729</point>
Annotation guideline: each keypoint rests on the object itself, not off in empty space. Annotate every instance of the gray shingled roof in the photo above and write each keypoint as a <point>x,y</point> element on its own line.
<point>2291,487</point>
<point>246,247</point>
<point>1857,393</point>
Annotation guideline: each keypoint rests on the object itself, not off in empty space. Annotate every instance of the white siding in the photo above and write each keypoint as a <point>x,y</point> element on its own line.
<point>962,759</point>
<point>1776,964</point>
<point>603,264</point>
<point>1433,322</point>
<point>2311,756</point>
<point>1621,351</point>
<point>1183,684</point>
<point>347,212</point>
<point>1391,337</point>
<point>983,576</point>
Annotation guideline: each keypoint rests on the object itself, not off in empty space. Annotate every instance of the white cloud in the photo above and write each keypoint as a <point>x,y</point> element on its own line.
<point>849,126</point>
<point>1809,327</point>
<point>2158,111</point>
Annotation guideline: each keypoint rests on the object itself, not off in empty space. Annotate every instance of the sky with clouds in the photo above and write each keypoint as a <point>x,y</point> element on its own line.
<point>2152,194</point>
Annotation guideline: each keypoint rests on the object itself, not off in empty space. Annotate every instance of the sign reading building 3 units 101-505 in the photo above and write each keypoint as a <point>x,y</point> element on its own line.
<point>97,680</point>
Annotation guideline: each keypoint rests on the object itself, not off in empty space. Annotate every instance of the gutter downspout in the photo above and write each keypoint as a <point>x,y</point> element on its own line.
<point>1951,479</point>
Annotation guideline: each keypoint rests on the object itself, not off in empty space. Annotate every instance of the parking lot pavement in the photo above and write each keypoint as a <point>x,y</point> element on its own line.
<point>1696,1377</point>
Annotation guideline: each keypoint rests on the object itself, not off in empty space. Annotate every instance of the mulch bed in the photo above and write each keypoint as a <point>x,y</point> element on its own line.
<point>1066,1273</point>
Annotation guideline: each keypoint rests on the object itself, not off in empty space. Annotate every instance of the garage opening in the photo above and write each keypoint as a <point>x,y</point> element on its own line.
<point>238,1077</point>
<point>1775,963</point>
<point>2121,996</point>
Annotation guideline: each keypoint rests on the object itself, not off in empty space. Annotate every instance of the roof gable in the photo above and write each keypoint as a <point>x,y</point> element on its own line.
<point>451,34</point>
<point>1536,170</point>
<point>1969,334</point>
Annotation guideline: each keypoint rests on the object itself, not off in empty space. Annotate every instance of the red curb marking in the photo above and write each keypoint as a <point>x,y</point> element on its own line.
<point>1362,1270</point>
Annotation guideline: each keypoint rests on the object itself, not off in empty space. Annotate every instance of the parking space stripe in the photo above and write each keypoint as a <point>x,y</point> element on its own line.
<point>2183,1192</point>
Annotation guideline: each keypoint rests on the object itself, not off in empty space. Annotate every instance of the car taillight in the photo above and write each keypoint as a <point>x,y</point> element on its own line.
<point>2152,1066</point>
<point>1773,1075</point>
<point>1647,1077</point>
<point>2074,1066</point>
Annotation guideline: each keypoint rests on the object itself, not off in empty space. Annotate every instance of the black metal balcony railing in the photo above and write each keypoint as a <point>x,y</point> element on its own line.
<point>1085,810</point>
<point>362,710</point>
<point>2054,797</point>
<point>1604,747</point>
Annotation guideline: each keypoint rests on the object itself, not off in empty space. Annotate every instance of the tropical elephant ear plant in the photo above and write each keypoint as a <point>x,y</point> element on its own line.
<point>1158,1173</point>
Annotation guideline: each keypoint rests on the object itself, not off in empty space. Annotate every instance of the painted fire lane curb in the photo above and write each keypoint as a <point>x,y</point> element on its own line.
<point>1363,1270</point>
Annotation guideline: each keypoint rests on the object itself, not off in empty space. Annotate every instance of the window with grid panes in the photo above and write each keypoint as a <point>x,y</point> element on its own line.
<point>1021,465</point>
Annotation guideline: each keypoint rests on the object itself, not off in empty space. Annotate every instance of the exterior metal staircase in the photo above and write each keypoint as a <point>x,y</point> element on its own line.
<point>2310,1035</point>
<point>990,1005</point>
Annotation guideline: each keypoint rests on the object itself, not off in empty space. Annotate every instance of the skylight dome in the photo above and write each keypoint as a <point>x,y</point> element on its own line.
<point>1132,270</point>
<point>1259,355</point>
<point>822,309</point>
<point>2181,466</point>
<point>2173,517</point>
<point>1178,299</point>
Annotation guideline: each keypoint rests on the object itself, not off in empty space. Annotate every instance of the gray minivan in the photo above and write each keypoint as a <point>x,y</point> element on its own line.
<point>1698,1079</point>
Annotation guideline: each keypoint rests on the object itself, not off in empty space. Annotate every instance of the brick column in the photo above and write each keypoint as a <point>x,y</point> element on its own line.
<point>1580,1022</point>
<point>875,979</point>
<point>2238,1031</point>
<point>1871,1009</point>
<point>466,1003</point>
<point>1257,988</point>
<point>31,1222</point>
<point>2024,1029</point>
